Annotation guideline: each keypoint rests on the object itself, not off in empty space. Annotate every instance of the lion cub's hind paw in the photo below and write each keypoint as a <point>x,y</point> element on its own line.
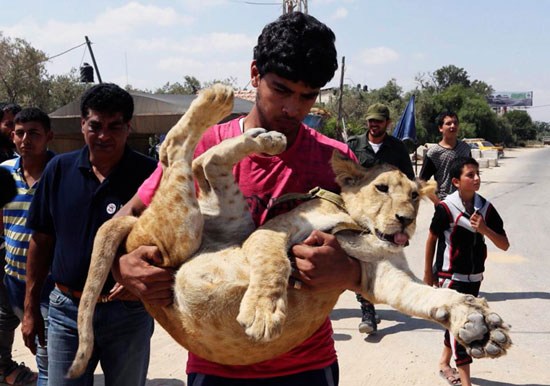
<point>216,102</point>
<point>262,317</point>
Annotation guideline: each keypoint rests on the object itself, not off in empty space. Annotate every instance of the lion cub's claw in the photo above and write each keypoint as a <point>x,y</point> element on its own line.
<point>262,316</point>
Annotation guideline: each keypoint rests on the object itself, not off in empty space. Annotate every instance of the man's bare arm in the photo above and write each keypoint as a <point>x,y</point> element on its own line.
<point>134,207</point>
<point>39,261</point>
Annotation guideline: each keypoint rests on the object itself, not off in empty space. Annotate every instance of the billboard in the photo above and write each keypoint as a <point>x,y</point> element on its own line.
<point>514,98</point>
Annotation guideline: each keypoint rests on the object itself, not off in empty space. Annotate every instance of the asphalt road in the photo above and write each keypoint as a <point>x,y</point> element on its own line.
<point>406,350</point>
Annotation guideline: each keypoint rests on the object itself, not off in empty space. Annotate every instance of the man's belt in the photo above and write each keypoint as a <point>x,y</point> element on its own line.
<point>78,294</point>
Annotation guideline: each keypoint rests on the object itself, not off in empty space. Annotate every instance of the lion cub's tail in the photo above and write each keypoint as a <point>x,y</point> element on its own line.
<point>106,243</point>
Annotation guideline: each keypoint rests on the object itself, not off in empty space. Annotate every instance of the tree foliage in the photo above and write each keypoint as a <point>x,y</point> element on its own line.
<point>22,73</point>
<point>522,125</point>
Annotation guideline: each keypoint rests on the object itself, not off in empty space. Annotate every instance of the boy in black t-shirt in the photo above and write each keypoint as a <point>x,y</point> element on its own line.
<point>459,226</point>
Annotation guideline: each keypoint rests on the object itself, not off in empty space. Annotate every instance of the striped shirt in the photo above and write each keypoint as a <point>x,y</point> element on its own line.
<point>16,233</point>
<point>437,162</point>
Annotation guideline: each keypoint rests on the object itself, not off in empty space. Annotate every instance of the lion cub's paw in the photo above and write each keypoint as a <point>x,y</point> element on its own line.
<point>262,316</point>
<point>270,142</point>
<point>215,102</point>
<point>476,327</point>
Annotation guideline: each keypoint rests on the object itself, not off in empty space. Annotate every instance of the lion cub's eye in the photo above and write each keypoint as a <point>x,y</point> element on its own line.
<point>382,188</point>
<point>414,195</point>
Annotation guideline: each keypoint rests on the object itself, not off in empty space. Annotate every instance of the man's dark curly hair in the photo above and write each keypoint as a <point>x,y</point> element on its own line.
<point>297,47</point>
<point>107,98</point>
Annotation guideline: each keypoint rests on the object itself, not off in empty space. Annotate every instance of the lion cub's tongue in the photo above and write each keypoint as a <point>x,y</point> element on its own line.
<point>400,238</point>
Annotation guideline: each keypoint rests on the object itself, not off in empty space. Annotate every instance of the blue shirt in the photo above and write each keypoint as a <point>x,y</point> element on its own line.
<point>16,233</point>
<point>71,204</point>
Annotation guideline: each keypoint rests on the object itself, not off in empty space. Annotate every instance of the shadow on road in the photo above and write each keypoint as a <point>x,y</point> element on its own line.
<point>486,382</point>
<point>164,382</point>
<point>404,323</point>
<point>500,296</point>
<point>99,380</point>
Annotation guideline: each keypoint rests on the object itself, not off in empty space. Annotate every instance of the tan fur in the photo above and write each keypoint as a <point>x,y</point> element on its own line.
<point>232,304</point>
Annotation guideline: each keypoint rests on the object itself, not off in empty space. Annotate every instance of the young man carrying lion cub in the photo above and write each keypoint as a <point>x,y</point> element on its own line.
<point>294,58</point>
<point>232,304</point>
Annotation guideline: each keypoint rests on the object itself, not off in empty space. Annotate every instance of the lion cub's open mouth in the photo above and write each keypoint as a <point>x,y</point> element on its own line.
<point>397,238</point>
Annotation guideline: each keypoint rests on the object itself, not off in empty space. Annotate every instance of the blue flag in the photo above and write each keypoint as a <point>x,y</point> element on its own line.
<point>406,127</point>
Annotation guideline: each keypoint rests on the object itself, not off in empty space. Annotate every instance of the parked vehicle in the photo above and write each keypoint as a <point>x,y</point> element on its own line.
<point>482,144</point>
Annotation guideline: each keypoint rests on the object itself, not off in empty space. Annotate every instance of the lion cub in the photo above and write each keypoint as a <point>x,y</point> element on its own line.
<point>232,304</point>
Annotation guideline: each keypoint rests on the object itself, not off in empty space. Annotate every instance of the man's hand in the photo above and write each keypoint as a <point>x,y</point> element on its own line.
<point>119,292</point>
<point>137,273</point>
<point>322,264</point>
<point>32,326</point>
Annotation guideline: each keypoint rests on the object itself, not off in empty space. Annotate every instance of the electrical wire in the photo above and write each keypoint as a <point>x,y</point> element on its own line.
<point>62,53</point>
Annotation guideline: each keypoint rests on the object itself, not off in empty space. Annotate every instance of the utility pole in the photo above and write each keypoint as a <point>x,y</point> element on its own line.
<point>294,5</point>
<point>340,134</point>
<point>93,59</point>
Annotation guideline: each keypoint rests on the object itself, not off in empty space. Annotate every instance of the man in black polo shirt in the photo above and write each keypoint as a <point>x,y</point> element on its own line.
<point>372,147</point>
<point>78,192</point>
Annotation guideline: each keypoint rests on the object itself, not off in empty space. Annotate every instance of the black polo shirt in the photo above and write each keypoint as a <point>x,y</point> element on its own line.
<point>392,151</point>
<point>71,204</point>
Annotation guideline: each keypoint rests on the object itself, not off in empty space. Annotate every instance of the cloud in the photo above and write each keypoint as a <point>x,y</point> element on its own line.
<point>378,55</point>
<point>216,42</point>
<point>341,13</point>
<point>199,5</point>
<point>112,22</point>
<point>206,70</point>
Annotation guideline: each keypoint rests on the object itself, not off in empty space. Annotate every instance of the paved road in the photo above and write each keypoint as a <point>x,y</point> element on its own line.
<point>406,350</point>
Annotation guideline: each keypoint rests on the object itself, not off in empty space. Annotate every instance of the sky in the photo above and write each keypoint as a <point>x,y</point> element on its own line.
<point>148,43</point>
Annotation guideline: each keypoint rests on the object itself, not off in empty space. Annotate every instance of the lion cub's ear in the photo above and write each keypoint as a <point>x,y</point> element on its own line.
<point>427,189</point>
<point>346,170</point>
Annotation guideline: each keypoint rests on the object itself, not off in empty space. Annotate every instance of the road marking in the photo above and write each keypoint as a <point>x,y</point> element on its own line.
<point>506,258</point>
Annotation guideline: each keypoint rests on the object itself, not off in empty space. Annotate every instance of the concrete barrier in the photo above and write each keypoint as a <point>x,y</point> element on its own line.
<point>489,153</point>
<point>493,162</point>
<point>476,154</point>
<point>483,163</point>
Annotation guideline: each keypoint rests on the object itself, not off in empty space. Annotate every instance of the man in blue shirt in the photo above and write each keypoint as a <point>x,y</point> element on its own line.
<point>77,193</point>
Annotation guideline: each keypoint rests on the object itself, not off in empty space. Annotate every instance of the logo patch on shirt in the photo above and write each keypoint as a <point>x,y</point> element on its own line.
<point>111,208</point>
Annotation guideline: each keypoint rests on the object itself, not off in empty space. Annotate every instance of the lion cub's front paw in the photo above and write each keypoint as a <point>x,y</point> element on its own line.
<point>476,327</point>
<point>262,316</point>
<point>270,142</point>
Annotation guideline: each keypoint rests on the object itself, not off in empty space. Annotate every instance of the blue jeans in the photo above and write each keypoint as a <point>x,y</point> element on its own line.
<point>122,332</point>
<point>15,291</point>
<point>8,320</point>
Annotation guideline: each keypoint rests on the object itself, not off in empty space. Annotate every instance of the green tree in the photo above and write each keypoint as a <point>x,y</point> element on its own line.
<point>447,76</point>
<point>63,89</point>
<point>542,128</point>
<point>522,124</point>
<point>22,73</point>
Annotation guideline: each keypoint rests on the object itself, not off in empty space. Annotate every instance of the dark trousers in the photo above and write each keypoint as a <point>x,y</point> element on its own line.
<point>327,376</point>
<point>460,355</point>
